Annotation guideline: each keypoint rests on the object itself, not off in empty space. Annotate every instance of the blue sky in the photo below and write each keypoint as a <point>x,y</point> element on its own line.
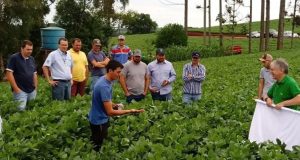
<point>163,13</point>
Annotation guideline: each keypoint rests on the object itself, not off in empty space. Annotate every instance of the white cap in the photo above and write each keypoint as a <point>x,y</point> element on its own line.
<point>121,37</point>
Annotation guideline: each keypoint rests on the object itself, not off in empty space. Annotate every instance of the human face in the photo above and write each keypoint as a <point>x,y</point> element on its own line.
<point>266,63</point>
<point>63,45</point>
<point>114,75</point>
<point>160,57</point>
<point>96,48</point>
<point>121,42</point>
<point>195,60</point>
<point>276,72</point>
<point>26,51</point>
<point>136,59</point>
<point>76,46</point>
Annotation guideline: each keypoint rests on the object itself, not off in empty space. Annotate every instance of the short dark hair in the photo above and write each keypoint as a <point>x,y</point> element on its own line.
<point>26,42</point>
<point>113,65</point>
<point>62,39</point>
<point>76,40</point>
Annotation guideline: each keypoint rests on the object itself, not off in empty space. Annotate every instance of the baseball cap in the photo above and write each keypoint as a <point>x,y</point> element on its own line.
<point>160,51</point>
<point>121,37</point>
<point>266,57</point>
<point>137,52</point>
<point>97,42</point>
<point>196,54</point>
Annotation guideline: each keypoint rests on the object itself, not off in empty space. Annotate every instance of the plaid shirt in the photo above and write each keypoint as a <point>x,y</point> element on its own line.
<point>193,85</point>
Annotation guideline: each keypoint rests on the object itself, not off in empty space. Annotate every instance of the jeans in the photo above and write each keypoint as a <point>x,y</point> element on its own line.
<point>189,98</point>
<point>78,87</point>
<point>164,97</point>
<point>93,82</point>
<point>61,91</point>
<point>99,133</point>
<point>134,97</point>
<point>23,97</point>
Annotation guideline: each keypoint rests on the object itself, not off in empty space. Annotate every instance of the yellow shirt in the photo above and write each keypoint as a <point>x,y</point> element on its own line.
<point>80,64</point>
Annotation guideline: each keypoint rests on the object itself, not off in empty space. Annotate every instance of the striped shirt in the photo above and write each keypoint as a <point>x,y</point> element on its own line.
<point>193,85</point>
<point>120,55</point>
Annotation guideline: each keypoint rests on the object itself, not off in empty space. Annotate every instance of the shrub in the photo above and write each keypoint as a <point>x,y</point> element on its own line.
<point>180,53</point>
<point>171,34</point>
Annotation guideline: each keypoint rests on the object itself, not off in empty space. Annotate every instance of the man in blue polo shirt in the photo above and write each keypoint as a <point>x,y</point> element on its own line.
<point>102,105</point>
<point>21,74</point>
<point>59,63</point>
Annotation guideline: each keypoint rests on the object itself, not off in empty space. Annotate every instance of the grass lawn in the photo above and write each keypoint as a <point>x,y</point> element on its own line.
<point>255,27</point>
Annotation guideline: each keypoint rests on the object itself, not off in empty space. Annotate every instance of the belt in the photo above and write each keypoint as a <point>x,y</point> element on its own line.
<point>61,80</point>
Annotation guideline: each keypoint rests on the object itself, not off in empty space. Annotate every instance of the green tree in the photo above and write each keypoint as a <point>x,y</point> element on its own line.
<point>138,23</point>
<point>18,21</point>
<point>171,34</point>
<point>83,20</point>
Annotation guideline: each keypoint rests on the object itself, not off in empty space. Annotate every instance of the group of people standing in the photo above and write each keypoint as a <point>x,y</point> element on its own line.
<point>276,86</point>
<point>67,72</point>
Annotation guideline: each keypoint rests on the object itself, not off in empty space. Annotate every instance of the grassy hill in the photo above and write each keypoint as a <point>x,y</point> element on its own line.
<point>255,27</point>
<point>215,128</point>
<point>145,42</point>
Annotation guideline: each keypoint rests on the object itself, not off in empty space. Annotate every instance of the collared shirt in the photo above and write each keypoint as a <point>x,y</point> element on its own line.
<point>266,75</point>
<point>120,55</point>
<point>79,65</point>
<point>284,90</point>
<point>23,71</point>
<point>135,77</point>
<point>98,57</point>
<point>60,65</point>
<point>193,85</point>
<point>159,72</point>
<point>102,93</point>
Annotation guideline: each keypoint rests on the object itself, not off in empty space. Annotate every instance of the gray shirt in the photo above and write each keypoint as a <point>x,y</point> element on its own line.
<point>135,77</point>
<point>159,72</point>
<point>60,65</point>
<point>268,80</point>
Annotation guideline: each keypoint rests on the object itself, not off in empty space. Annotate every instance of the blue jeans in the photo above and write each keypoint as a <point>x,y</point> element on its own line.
<point>189,98</point>
<point>164,97</point>
<point>23,97</point>
<point>134,97</point>
<point>62,91</point>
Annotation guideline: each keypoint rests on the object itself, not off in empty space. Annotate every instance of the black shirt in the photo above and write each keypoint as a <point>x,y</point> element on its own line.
<point>23,70</point>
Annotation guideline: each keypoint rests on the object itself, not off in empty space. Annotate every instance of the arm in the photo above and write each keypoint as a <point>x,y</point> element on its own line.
<point>46,74</point>
<point>172,75</point>
<point>123,84</point>
<point>171,79</point>
<point>35,80</point>
<point>100,64</point>
<point>269,97</point>
<point>147,82</point>
<point>290,102</point>
<point>201,76</point>
<point>260,88</point>
<point>186,76</point>
<point>12,81</point>
<point>108,106</point>
<point>87,74</point>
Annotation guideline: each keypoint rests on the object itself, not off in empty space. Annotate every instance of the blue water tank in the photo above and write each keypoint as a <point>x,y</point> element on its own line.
<point>50,37</point>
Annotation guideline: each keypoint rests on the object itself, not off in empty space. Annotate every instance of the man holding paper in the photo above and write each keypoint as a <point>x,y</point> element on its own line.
<point>285,92</point>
